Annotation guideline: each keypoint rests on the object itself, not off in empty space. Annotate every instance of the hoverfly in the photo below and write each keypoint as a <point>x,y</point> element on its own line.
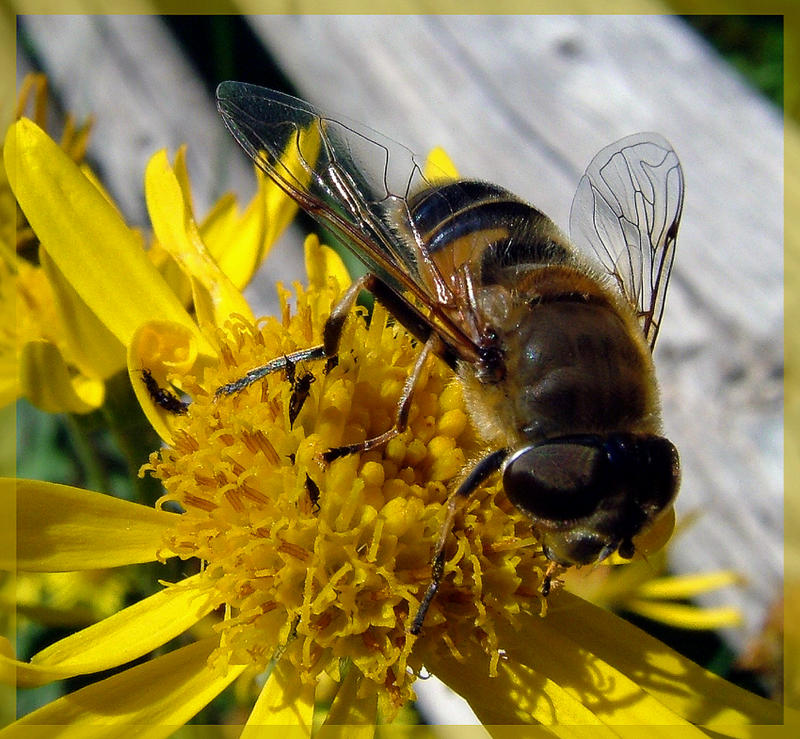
<point>551,339</point>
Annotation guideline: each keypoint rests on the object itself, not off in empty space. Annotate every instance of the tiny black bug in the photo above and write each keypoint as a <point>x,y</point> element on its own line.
<point>167,400</point>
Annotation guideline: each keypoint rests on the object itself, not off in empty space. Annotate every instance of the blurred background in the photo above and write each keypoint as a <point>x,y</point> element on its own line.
<point>526,102</point>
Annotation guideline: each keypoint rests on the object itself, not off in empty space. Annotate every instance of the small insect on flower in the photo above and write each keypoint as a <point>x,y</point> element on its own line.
<point>313,492</point>
<point>551,339</point>
<point>164,398</point>
<point>301,387</point>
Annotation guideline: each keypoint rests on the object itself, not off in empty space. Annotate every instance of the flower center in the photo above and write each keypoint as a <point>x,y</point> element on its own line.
<point>317,562</point>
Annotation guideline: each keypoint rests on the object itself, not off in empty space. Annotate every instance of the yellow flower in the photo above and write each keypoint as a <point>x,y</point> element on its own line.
<point>297,570</point>
<point>63,348</point>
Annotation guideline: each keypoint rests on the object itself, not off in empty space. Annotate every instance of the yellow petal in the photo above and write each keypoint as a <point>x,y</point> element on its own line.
<point>216,298</point>
<point>238,245</point>
<point>284,701</point>
<point>357,714</point>
<point>89,174</point>
<point>150,700</point>
<point>547,678</point>
<point>92,347</point>
<point>165,344</point>
<point>322,264</point>
<point>96,252</point>
<point>162,349</point>
<point>585,676</point>
<point>47,381</point>
<point>686,688</point>
<point>517,694</point>
<point>265,218</point>
<point>217,232</point>
<point>439,167</point>
<point>218,222</point>
<point>61,528</point>
<point>281,209</point>
<point>685,616</point>
<point>14,672</point>
<point>182,175</point>
<point>130,633</point>
<point>687,586</point>
<point>178,281</point>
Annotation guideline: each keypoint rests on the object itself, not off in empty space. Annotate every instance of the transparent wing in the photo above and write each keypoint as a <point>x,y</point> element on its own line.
<point>626,210</point>
<point>351,179</point>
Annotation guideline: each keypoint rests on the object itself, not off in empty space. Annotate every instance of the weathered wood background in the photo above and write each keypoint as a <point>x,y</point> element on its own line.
<point>524,101</point>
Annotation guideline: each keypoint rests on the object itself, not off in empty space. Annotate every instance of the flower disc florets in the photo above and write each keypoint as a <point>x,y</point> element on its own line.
<point>318,562</point>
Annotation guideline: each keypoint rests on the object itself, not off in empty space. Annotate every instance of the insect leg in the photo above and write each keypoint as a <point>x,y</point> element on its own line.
<point>489,464</point>
<point>332,331</point>
<point>331,334</point>
<point>553,570</point>
<point>290,371</point>
<point>403,408</point>
<point>280,363</point>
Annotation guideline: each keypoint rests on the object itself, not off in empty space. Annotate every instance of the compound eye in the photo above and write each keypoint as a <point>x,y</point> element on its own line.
<point>665,473</point>
<point>556,481</point>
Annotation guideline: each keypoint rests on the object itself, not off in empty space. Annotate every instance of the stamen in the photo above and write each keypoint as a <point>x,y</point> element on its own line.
<point>314,562</point>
